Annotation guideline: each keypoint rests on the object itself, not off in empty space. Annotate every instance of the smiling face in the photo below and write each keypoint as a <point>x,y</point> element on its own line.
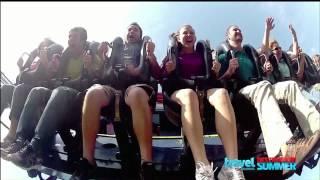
<point>133,34</point>
<point>234,34</point>
<point>186,36</point>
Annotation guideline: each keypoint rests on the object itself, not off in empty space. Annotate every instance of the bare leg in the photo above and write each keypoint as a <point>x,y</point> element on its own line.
<point>191,122</point>
<point>94,100</point>
<point>138,99</point>
<point>225,120</point>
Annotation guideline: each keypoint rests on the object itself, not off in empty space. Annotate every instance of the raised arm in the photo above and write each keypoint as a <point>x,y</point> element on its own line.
<point>295,45</point>
<point>297,53</point>
<point>154,66</point>
<point>265,41</point>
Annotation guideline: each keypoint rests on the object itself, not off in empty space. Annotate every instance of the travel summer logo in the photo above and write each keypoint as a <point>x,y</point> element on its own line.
<point>262,163</point>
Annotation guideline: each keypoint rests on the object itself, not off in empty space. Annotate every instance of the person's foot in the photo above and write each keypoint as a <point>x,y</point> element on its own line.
<point>27,158</point>
<point>74,152</point>
<point>302,150</point>
<point>9,139</point>
<point>231,174</point>
<point>204,172</point>
<point>84,170</point>
<point>13,148</point>
<point>147,169</point>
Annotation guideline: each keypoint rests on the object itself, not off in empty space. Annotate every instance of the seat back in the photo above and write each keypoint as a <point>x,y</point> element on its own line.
<point>114,71</point>
<point>311,76</point>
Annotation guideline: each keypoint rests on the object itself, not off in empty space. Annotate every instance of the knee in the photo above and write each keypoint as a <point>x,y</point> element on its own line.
<point>264,85</point>
<point>61,92</point>
<point>292,84</point>
<point>137,96</point>
<point>7,88</point>
<point>36,95</point>
<point>36,92</point>
<point>7,91</point>
<point>95,95</point>
<point>220,95</point>
<point>22,89</point>
<point>188,96</point>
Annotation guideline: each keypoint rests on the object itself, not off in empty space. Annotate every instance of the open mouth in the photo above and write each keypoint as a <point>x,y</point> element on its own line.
<point>189,41</point>
<point>131,36</point>
<point>238,34</point>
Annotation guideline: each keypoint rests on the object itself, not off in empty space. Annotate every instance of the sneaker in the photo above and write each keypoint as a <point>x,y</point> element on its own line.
<point>13,148</point>
<point>74,152</point>
<point>7,141</point>
<point>302,150</point>
<point>27,158</point>
<point>147,171</point>
<point>84,170</point>
<point>204,172</point>
<point>231,174</point>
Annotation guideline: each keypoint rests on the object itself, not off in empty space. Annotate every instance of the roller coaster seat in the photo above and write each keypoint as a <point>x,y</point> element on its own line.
<point>311,75</point>
<point>200,84</point>
<point>246,113</point>
<point>115,76</point>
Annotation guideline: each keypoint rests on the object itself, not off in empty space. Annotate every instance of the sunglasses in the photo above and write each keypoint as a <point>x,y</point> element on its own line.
<point>277,48</point>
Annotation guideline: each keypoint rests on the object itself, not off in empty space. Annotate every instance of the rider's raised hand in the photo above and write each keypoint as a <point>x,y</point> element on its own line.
<point>233,66</point>
<point>150,46</point>
<point>293,32</point>
<point>267,67</point>
<point>43,55</point>
<point>269,25</point>
<point>87,59</point>
<point>103,50</point>
<point>170,66</point>
<point>216,66</point>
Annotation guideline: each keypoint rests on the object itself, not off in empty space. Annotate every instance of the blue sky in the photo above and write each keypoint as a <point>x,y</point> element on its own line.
<point>25,24</point>
<point>106,20</point>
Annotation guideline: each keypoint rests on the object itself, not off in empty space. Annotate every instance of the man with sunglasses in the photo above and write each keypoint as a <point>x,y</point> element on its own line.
<point>291,65</point>
<point>281,75</point>
<point>239,65</point>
